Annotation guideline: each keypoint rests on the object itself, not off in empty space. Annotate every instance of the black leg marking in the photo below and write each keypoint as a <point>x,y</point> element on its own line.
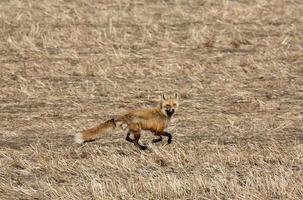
<point>142,146</point>
<point>87,141</point>
<point>128,138</point>
<point>168,135</point>
<point>136,142</point>
<point>157,139</point>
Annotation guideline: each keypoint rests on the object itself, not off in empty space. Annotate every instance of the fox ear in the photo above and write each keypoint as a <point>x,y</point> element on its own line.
<point>163,97</point>
<point>176,96</point>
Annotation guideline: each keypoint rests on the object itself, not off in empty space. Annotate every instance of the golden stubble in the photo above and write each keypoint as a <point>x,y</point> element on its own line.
<point>68,66</point>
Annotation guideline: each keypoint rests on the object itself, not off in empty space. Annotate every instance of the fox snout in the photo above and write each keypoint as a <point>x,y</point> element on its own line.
<point>170,111</point>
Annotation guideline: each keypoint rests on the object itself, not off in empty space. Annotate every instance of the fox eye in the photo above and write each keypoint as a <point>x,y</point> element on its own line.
<point>174,104</point>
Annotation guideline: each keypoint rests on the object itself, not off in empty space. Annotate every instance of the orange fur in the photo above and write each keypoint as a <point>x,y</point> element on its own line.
<point>152,119</point>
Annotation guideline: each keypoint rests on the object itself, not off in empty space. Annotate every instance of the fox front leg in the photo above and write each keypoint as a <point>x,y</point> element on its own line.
<point>168,135</point>
<point>159,139</point>
<point>164,133</point>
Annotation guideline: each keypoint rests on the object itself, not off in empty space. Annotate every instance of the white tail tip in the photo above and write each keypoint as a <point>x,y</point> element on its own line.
<point>78,138</point>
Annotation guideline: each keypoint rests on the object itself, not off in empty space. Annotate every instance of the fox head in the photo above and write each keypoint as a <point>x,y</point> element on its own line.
<point>169,104</point>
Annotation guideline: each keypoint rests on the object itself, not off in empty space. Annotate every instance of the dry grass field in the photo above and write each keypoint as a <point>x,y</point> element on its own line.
<point>67,65</point>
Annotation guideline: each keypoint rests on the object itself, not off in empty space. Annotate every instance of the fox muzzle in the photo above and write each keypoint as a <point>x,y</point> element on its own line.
<point>170,112</point>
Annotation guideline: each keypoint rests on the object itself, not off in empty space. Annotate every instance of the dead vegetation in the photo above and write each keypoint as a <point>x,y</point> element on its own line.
<point>68,65</point>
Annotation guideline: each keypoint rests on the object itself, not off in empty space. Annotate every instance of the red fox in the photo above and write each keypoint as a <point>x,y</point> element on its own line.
<point>152,119</point>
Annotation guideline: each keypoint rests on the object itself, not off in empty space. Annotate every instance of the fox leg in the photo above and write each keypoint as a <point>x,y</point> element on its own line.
<point>136,141</point>
<point>168,135</point>
<point>160,134</point>
<point>159,139</point>
<point>128,138</point>
<point>135,130</point>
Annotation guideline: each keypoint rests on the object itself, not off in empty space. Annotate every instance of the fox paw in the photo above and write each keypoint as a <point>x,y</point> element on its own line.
<point>143,147</point>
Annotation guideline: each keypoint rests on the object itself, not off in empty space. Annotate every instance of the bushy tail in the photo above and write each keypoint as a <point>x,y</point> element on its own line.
<point>96,132</point>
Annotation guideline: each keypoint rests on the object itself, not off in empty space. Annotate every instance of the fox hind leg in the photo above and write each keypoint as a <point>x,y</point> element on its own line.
<point>136,140</point>
<point>135,130</point>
